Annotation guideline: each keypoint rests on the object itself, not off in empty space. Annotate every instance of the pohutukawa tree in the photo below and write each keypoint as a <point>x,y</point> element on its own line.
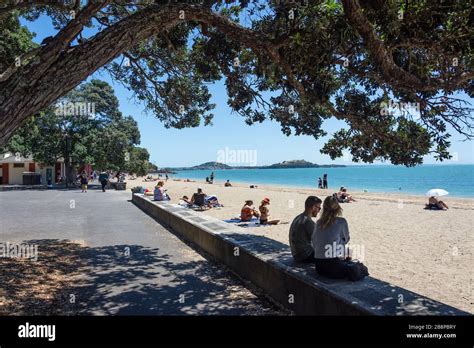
<point>84,127</point>
<point>298,63</point>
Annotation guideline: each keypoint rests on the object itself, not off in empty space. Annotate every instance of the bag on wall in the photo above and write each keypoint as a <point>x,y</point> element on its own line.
<point>356,270</point>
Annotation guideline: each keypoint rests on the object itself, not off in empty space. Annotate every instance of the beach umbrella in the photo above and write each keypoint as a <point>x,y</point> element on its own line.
<point>437,192</point>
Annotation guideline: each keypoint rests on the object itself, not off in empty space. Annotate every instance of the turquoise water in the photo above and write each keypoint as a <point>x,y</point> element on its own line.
<point>458,180</point>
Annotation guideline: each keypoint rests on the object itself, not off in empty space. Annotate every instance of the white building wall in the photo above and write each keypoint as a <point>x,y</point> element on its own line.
<point>16,174</point>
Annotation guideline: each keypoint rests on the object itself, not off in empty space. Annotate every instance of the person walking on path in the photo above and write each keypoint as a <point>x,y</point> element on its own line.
<point>103,178</point>
<point>325,181</point>
<point>84,181</point>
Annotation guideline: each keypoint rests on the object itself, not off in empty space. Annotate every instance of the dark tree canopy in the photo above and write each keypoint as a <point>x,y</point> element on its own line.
<point>394,71</point>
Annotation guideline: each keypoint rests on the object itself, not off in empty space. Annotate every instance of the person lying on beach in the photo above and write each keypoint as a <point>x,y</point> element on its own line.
<point>302,229</point>
<point>227,184</point>
<point>248,211</point>
<point>344,197</point>
<point>265,213</point>
<point>160,193</point>
<point>212,201</point>
<point>434,203</point>
<point>185,202</point>
<point>187,180</point>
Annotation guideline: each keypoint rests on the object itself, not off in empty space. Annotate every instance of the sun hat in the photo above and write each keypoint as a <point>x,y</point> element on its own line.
<point>266,200</point>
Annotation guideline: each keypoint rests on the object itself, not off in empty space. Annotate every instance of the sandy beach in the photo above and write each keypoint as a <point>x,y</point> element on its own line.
<point>429,252</point>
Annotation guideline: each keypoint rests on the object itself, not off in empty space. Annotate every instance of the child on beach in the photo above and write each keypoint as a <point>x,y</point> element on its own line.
<point>265,213</point>
<point>248,211</point>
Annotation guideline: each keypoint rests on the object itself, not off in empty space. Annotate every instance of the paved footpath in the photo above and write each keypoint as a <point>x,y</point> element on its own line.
<point>133,265</point>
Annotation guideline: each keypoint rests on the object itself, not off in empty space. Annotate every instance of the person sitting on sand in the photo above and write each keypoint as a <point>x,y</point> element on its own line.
<point>330,238</point>
<point>302,229</point>
<point>248,211</point>
<point>199,198</point>
<point>434,203</point>
<point>227,184</point>
<point>160,193</point>
<point>343,196</point>
<point>265,213</point>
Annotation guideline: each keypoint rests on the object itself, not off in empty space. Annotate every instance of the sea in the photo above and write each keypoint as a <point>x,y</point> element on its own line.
<point>457,179</point>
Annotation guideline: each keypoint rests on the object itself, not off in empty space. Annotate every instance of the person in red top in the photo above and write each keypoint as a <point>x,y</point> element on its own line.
<point>248,211</point>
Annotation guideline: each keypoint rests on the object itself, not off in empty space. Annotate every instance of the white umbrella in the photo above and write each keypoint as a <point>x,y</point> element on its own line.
<point>437,193</point>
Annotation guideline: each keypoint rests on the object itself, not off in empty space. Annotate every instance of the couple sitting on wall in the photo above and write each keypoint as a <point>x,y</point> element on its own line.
<point>324,242</point>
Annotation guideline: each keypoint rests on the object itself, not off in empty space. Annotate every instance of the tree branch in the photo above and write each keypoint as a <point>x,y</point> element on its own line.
<point>383,60</point>
<point>9,6</point>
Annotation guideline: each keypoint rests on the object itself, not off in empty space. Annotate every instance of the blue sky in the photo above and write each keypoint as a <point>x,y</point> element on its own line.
<point>186,147</point>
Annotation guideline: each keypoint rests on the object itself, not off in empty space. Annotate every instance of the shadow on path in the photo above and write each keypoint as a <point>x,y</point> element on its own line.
<point>72,279</point>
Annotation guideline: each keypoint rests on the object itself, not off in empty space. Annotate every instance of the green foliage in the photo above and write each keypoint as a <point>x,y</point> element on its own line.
<point>173,71</point>
<point>322,67</point>
<point>137,161</point>
<point>104,139</point>
<point>15,40</point>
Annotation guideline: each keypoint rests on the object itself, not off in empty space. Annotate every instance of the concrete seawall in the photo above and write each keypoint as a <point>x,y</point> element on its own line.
<point>268,264</point>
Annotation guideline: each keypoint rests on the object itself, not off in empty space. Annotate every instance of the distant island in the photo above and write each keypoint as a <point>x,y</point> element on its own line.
<point>281,165</point>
